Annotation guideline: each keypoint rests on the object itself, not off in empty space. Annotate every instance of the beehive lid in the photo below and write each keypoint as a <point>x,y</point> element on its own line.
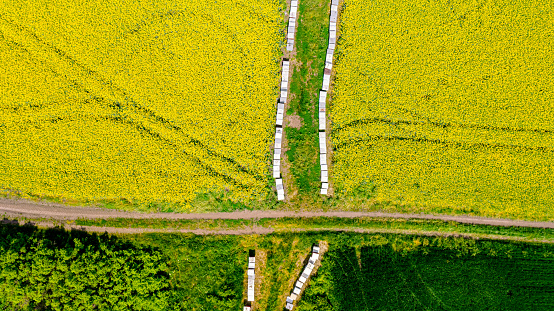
<point>293,11</point>
<point>290,44</point>
<point>292,21</point>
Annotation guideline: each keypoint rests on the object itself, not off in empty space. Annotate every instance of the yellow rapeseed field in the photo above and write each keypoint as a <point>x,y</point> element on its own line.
<point>148,101</point>
<point>447,105</point>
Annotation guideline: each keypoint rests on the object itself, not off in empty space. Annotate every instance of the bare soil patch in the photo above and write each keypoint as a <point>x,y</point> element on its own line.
<point>294,121</point>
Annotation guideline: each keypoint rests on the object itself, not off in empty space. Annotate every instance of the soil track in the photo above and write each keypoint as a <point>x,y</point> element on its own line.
<point>37,210</point>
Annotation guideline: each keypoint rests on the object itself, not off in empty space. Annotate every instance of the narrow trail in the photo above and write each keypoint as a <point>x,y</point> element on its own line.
<point>38,210</point>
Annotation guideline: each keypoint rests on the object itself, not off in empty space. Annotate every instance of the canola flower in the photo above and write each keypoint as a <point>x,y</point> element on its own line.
<point>148,101</point>
<point>447,105</point>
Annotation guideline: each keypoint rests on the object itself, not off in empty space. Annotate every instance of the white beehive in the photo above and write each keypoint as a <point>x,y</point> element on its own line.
<point>324,176</point>
<point>322,158</point>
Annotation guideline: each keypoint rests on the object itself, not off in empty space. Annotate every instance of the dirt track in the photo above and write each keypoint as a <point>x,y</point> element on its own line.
<point>30,209</point>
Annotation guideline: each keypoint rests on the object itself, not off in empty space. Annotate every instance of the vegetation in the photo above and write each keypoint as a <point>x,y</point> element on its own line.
<point>446,107</point>
<point>57,270</point>
<point>414,273</point>
<point>141,106</point>
<point>46,268</point>
<point>207,272</point>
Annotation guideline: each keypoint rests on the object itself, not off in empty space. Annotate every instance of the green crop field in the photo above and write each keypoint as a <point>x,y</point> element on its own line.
<point>437,274</point>
<point>446,105</point>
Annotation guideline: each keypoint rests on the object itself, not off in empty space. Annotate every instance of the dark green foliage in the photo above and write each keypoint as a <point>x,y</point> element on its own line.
<point>58,270</point>
<point>208,271</point>
<point>434,274</point>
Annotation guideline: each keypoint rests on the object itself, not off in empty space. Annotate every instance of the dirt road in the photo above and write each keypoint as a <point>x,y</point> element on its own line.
<point>30,209</point>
